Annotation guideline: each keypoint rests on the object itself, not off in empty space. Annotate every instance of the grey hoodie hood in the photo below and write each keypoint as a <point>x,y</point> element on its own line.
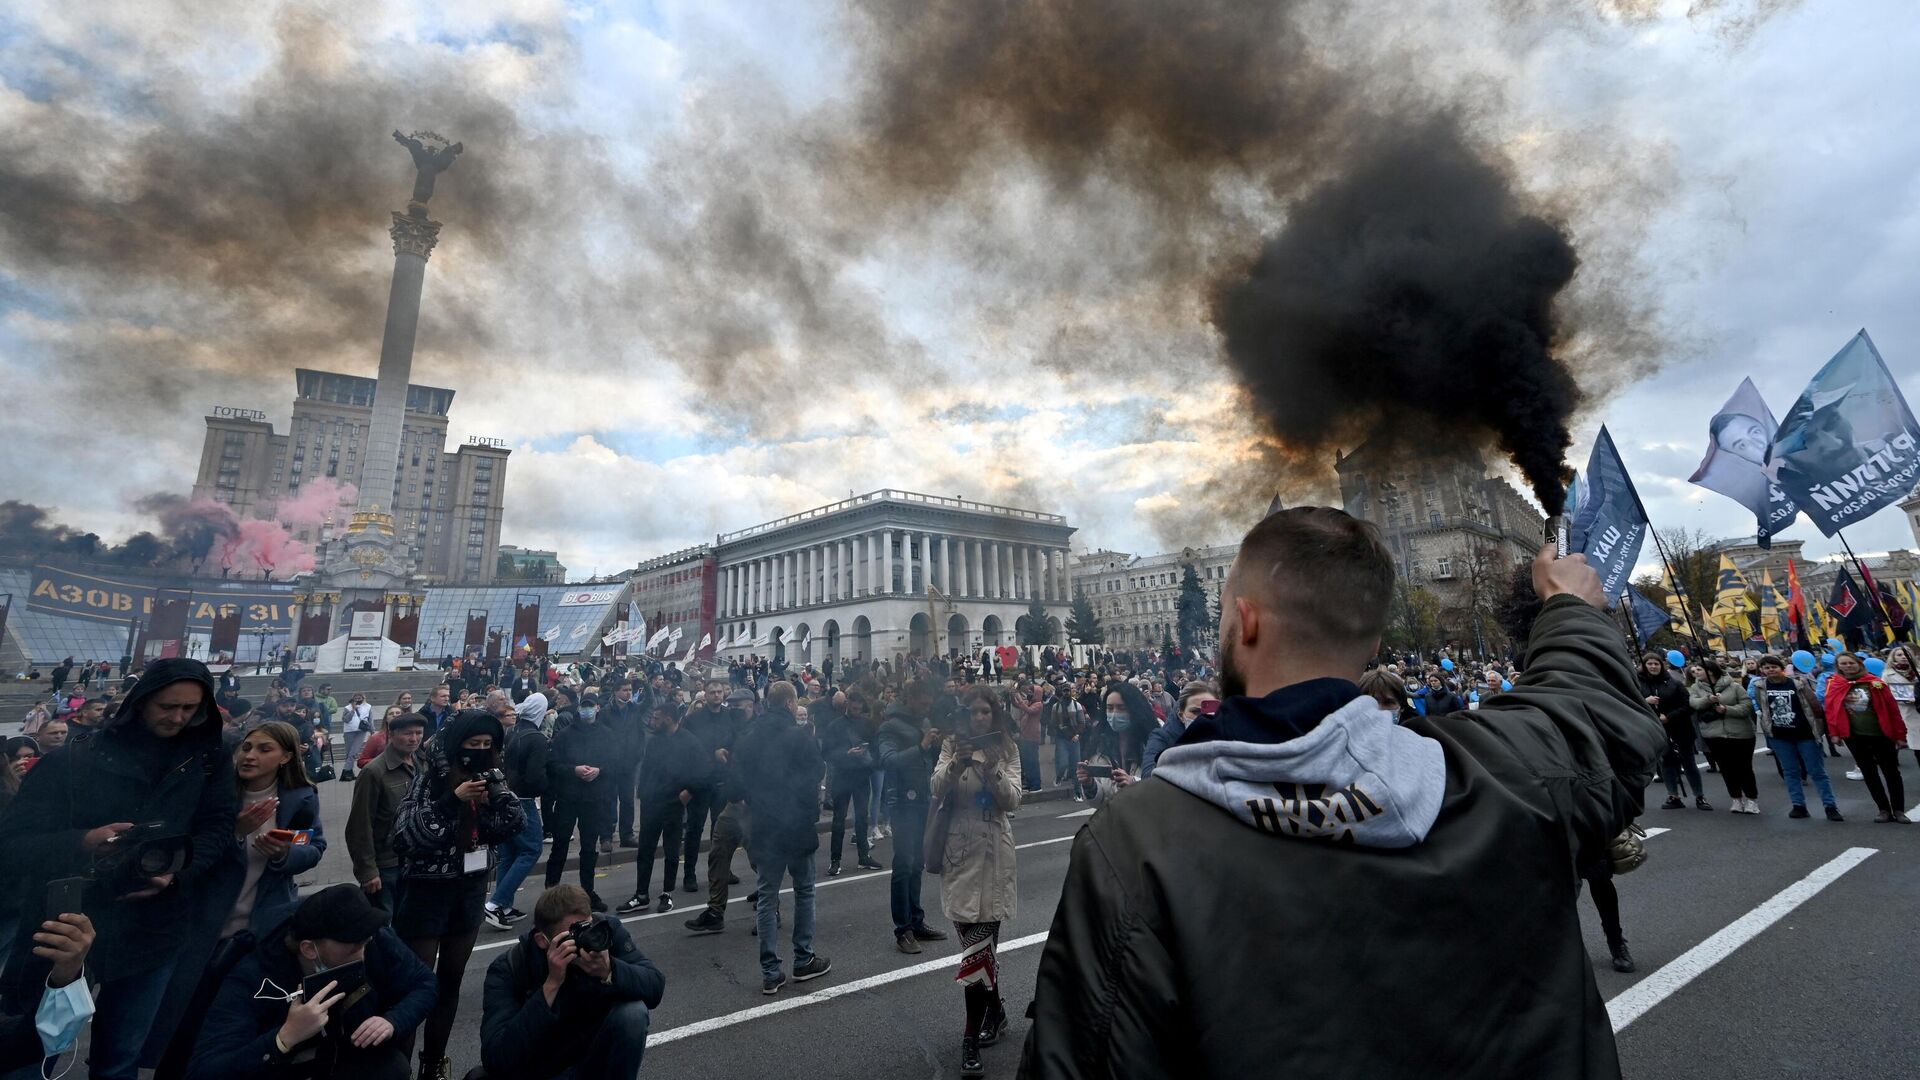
<point>1355,777</point>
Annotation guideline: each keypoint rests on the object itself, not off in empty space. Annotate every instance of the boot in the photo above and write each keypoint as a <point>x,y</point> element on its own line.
<point>970,1064</point>
<point>1622,959</point>
<point>1673,803</point>
<point>833,868</point>
<point>1700,801</point>
<point>995,1023</point>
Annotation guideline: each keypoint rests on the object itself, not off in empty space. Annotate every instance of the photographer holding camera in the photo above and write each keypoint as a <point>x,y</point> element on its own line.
<point>573,999</point>
<point>330,992</point>
<point>142,811</point>
<point>458,808</point>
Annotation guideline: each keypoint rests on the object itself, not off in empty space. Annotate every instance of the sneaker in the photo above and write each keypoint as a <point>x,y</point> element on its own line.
<point>629,842</point>
<point>866,863</point>
<point>733,878</point>
<point>905,943</point>
<point>1622,959</point>
<point>873,835</point>
<point>1856,774</point>
<point>346,777</point>
<point>497,919</point>
<point>970,1063</point>
<point>514,914</point>
<point>1833,814</point>
<point>1077,797</point>
<point>691,884</point>
<point>664,904</point>
<point>1900,818</point>
<point>886,831</point>
<point>597,904</point>
<point>1701,803</point>
<point>1753,806</point>
<point>1884,817</point>
<point>833,868</point>
<point>923,932</point>
<point>636,902</point>
<point>812,969</point>
<point>1798,811</point>
<point>753,898</point>
<point>707,922</point>
<point>440,1070</point>
<point>1673,802</point>
<point>773,984</point>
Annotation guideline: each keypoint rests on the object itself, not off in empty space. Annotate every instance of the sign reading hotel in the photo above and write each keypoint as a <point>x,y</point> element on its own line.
<point>487,441</point>
<point>231,412</point>
<point>59,591</point>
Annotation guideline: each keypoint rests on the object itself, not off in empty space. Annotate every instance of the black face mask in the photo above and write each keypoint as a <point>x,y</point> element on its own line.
<point>474,762</point>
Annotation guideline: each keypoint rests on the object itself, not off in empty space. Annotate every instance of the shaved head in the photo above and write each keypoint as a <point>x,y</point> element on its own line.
<point>1317,577</point>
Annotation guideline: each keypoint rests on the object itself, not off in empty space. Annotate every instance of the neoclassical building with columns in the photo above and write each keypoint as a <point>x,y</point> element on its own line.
<point>889,573</point>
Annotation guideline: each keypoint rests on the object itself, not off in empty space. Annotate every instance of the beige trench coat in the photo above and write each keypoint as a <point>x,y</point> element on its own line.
<point>977,877</point>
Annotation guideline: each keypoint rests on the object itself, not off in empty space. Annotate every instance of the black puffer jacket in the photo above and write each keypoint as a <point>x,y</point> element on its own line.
<point>122,773</point>
<point>435,828</point>
<point>1461,937</point>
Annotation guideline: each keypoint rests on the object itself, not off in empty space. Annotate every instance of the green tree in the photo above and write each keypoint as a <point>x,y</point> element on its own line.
<point>1191,612</point>
<point>503,568</point>
<point>1036,630</point>
<point>1414,623</point>
<point>1082,625</point>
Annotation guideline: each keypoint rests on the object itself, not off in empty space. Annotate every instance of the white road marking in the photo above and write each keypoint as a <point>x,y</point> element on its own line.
<point>693,909</point>
<point>1631,1004</point>
<point>1651,833</point>
<point>1080,813</point>
<point>944,963</point>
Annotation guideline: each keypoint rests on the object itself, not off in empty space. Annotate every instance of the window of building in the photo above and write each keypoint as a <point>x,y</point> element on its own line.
<point>1444,568</point>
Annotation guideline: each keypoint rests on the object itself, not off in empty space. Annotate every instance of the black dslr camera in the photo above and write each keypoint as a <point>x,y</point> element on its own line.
<point>479,765</point>
<point>594,935</point>
<point>145,851</point>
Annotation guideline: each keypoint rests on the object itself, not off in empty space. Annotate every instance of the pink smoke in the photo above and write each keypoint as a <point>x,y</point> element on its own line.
<point>262,545</point>
<point>318,498</point>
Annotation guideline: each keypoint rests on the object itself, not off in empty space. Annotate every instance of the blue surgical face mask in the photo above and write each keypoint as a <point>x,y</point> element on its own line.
<point>588,712</point>
<point>63,1012</point>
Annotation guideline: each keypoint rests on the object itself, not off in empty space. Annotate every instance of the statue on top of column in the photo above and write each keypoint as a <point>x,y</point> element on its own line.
<point>432,155</point>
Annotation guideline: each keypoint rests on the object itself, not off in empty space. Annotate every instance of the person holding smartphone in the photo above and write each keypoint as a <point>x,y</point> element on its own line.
<point>445,834</point>
<point>277,836</point>
<point>978,777</point>
<point>158,764</point>
<point>329,992</point>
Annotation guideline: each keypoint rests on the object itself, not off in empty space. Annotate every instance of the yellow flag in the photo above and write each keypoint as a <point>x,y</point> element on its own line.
<point>1730,602</point>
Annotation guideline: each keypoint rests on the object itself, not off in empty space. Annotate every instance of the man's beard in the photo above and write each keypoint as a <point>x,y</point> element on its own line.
<point>1233,682</point>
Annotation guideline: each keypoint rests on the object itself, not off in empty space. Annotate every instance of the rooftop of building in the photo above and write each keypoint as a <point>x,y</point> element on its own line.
<point>338,388</point>
<point>675,558</point>
<point>896,497</point>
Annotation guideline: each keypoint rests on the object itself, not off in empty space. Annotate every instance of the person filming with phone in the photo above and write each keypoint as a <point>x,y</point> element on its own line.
<point>330,992</point>
<point>135,818</point>
<point>573,998</point>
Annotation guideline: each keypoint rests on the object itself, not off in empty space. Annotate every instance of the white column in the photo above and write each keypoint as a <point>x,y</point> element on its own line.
<point>809,592</point>
<point>843,588</point>
<point>1026,564</point>
<point>726,591</point>
<point>787,580</point>
<point>1066,574</point>
<point>946,564</point>
<point>976,573</point>
<point>753,590</point>
<point>1044,585</point>
<point>734,603</point>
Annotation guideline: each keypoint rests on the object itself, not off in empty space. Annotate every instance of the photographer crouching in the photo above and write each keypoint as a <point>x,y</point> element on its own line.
<point>128,823</point>
<point>573,999</point>
<point>330,993</point>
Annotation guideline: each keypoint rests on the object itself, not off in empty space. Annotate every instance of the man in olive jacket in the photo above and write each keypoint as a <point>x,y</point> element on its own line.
<point>1299,849</point>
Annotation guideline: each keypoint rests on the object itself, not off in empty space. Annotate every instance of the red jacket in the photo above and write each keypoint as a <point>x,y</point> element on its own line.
<point>1878,695</point>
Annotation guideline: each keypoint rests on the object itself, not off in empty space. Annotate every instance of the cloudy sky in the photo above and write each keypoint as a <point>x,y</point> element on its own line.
<point>709,263</point>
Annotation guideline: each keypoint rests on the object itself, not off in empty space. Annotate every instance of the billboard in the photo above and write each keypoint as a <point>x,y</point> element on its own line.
<point>106,597</point>
<point>585,597</point>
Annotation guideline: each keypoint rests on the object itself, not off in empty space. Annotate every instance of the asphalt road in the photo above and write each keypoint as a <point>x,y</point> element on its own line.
<point>1746,970</point>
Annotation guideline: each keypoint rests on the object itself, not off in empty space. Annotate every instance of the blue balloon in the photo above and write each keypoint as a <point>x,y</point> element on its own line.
<point>1803,660</point>
<point>1505,685</point>
<point>1445,664</point>
<point>1676,658</point>
<point>1826,659</point>
<point>1876,666</point>
<point>1835,645</point>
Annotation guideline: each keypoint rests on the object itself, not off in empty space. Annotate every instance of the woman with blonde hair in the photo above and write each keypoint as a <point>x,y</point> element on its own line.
<point>977,781</point>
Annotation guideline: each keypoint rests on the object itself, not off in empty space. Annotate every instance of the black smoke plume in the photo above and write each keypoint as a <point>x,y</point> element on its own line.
<point>26,529</point>
<point>1413,295</point>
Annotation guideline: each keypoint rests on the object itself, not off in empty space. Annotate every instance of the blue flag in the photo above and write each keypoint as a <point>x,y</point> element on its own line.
<point>1735,465</point>
<point>1647,616</point>
<point>1850,445</point>
<point>1608,525</point>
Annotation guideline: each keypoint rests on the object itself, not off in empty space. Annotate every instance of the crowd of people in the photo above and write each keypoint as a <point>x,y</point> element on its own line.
<point>159,829</point>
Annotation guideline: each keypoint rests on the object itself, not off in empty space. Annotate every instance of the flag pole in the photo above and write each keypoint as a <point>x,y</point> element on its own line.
<point>1685,608</point>
<point>1867,582</point>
